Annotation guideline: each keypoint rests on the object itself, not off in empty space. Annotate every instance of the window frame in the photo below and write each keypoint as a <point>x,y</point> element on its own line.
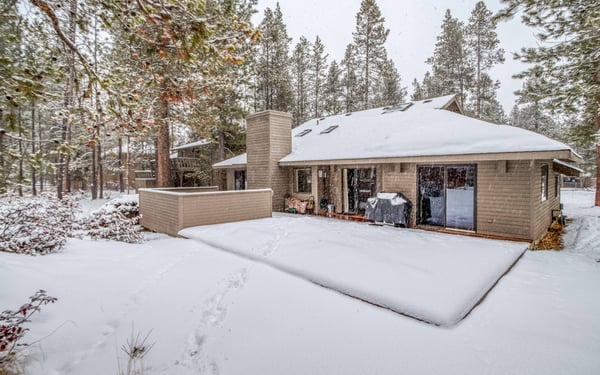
<point>329,129</point>
<point>307,184</point>
<point>544,182</point>
<point>303,133</point>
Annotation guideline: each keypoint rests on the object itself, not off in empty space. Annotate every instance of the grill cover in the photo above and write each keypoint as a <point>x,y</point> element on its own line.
<point>392,208</point>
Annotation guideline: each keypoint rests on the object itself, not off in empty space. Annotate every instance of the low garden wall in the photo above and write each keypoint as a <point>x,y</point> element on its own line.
<point>172,209</point>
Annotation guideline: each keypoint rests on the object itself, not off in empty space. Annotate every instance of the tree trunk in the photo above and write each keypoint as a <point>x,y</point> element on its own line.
<point>63,177</point>
<point>100,171</point>
<point>163,161</point>
<point>597,202</point>
<point>33,174</point>
<point>39,121</point>
<point>121,185</point>
<point>94,173</point>
<point>21,154</point>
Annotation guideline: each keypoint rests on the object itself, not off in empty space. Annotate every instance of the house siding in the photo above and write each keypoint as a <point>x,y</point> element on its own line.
<point>170,210</point>
<point>268,139</point>
<point>542,210</point>
<point>225,207</point>
<point>159,213</point>
<point>503,195</point>
<point>504,198</point>
<point>230,179</point>
<point>401,178</point>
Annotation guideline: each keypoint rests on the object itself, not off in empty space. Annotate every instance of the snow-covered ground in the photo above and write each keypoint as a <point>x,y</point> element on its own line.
<point>434,277</point>
<point>213,312</point>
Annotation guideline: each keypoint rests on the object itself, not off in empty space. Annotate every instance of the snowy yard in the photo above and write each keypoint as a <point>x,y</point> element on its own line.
<point>213,312</point>
<point>434,277</point>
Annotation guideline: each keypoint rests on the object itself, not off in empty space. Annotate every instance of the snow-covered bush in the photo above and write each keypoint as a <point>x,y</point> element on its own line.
<point>128,205</point>
<point>37,225</point>
<point>116,220</point>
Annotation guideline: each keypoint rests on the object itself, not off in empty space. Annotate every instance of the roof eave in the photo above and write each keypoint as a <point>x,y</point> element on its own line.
<point>230,166</point>
<point>524,155</point>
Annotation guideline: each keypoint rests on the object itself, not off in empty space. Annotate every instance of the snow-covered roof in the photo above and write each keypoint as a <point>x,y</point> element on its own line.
<point>415,129</point>
<point>239,160</point>
<point>422,129</point>
<point>199,143</point>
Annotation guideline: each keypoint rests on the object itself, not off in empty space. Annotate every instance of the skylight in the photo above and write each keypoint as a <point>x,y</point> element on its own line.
<point>398,108</point>
<point>303,132</point>
<point>329,129</point>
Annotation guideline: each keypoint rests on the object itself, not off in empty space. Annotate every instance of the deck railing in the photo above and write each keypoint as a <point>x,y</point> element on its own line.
<point>185,164</point>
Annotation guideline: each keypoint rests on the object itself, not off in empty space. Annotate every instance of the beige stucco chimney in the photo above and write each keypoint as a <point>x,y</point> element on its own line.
<point>268,139</point>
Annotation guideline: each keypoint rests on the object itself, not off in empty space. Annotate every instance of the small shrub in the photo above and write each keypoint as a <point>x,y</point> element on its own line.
<point>12,331</point>
<point>136,349</point>
<point>108,223</point>
<point>38,225</point>
<point>127,205</point>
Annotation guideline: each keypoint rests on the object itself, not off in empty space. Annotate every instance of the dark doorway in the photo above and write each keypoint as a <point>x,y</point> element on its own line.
<point>447,196</point>
<point>240,179</point>
<point>360,184</point>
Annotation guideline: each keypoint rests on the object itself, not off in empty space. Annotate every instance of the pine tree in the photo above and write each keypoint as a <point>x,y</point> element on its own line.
<point>333,90</point>
<point>491,109</point>
<point>165,59</point>
<point>530,117</point>
<point>300,66</point>
<point>418,91</point>
<point>568,55</point>
<point>28,72</point>
<point>273,81</point>
<point>318,73</point>
<point>390,91</point>
<point>432,86</point>
<point>483,41</point>
<point>350,80</point>
<point>452,67</point>
<point>369,40</point>
<point>531,96</point>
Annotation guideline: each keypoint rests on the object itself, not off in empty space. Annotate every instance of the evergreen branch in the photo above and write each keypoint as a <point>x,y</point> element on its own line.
<point>49,12</point>
<point>9,5</point>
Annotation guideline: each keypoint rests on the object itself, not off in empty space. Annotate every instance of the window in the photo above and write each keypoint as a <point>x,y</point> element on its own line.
<point>329,129</point>
<point>556,185</point>
<point>544,182</point>
<point>398,107</point>
<point>303,132</point>
<point>302,181</point>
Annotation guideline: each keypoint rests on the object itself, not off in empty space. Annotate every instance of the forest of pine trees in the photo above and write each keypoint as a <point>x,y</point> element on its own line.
<point>86,82</point>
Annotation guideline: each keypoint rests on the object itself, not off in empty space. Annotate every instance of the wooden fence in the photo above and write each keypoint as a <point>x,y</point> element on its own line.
<point>172,209</point>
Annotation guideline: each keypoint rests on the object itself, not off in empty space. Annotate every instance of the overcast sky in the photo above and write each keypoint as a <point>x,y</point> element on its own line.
<point>414,26</point>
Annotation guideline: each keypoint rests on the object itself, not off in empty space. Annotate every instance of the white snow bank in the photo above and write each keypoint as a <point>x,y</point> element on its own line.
<point>434,277</point>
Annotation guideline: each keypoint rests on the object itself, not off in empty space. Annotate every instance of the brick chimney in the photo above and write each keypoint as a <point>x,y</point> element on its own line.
<point>268,139</point>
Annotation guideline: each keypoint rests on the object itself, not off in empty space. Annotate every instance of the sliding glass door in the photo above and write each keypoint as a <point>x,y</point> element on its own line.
<point>447,196</point>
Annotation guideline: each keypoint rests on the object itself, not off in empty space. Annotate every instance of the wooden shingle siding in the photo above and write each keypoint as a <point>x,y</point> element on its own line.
<point>166,211</point>
<point>542,210</point>
<point>506,202</point>
<point>160,213</point>
<point>401,178</point>
<point>336,188</point>
<point>504,198</point>
<point>268,139</point>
